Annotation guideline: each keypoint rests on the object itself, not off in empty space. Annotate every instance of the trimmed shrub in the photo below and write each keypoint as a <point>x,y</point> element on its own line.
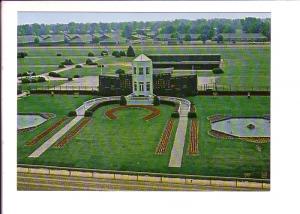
<point>156,101</point>
<point>78,66</point>
<point>100,66</point>
<point>58,54</point>
<point>123,101</point>
<point>54,74</point>
<point>90,62</point>
<point>19,75</point>
<point>25,80</point>
<point>88,113</point>
<point>41,79</point>
<point>72,114</point>
<point>175,114</point>
<point>61,65</point>
<point>104,53</point>
<point>22,54</point>
<point>130,52</point>
<point>76,76</point>
<point>122,53</point>
<point>192,115</point>
<point>91,54</point>
<point>33,80</point>
<point>25,74</point>
<point>120,71</point>
<point>70,79</point>
<point>67,62</point>
<point>217,71</point>
<point>116,54</point>
<point>19,91</point>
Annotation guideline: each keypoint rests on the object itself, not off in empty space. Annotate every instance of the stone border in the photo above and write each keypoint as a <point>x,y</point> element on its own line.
<point>235,183</point>
<point>222,135</point>
<point>45,115</point>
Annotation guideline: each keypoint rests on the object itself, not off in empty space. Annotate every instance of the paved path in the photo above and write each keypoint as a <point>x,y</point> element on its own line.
<point>178,145</point>
<point>39,151</point>
<point>80,114</point>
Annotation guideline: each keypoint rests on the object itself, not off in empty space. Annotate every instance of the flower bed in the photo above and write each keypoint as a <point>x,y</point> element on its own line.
<point>222,135</point>
<point>69,135</point>
<point>193,146</point>
<point>215,118</point>
<point>46,132</point>
<point>154,111</point>
<point>164,140</point>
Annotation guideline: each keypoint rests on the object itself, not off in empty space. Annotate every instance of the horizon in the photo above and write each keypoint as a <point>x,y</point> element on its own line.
<point>110,17</point>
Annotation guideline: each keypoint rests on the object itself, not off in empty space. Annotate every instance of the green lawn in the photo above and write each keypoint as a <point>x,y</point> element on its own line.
<point>245,67</point>
<point>51,60</point>
<point>129,143</point>
<point>49,84</point>
<point>94,71</point>
<point>57,104</point>
<point>37,70</point>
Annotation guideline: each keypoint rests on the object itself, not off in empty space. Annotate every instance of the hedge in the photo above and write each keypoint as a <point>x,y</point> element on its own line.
<point>217,71</point>
<point>72,114</point>
<point>179,58</point>
<point>78,66</point>
<point>88,113</point>
<point>123,101</point>
<point>175,114</point>
<point>22,54</point>
<point>192,115</point>
<point>156,101</point>
<point>91,54</point>
<point>54,74</point>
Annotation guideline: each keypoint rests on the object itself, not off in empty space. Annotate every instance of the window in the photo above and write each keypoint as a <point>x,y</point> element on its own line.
<point>135,86</point>
<point>134,70</point>
<point>141,72</point>
<point>147,70</point>
<point>148,86</point>
<point>141,84</point>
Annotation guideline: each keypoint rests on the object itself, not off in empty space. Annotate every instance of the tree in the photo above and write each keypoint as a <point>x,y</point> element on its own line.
<point>96,40</point>
<point>156,101</point>
<point>130,52</point>
<point>187,37</point>
<point>220,38</point>
<point>120,71</point>
<point>36,40</point>
<point>127,32</point>
<point>123,101</point>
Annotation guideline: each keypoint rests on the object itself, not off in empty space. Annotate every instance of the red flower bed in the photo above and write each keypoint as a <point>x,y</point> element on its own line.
<point>162,146</point>
<point>69,135</point>
<point>154,111</point>
<point>46,132</point>
<point>193,147</point>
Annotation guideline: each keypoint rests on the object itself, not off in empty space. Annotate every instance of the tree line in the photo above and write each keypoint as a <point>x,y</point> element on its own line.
<point>207,28</point>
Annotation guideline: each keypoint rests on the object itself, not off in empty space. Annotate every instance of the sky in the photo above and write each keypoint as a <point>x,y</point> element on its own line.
<point>89,17</point>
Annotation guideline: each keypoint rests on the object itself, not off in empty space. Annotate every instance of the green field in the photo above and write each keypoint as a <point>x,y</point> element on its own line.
<point>129,143</point>
<point>49,84</point>
<point>245,67</point>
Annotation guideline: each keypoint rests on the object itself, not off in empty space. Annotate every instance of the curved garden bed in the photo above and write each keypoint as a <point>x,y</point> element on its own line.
<point>154,111</point>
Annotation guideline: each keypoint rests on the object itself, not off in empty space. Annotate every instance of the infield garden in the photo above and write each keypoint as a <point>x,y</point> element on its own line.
<point>129,143</point>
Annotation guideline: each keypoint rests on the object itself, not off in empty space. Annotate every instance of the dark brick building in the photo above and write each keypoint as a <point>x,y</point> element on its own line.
<point>163,84</point>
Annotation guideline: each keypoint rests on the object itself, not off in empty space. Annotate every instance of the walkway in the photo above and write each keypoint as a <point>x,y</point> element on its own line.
<point>80,114</point>
<point>178,145</point>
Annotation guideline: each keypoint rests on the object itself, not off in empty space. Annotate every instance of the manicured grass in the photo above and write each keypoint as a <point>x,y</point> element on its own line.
<point>129,142</point>
<point>228,157</point>
<point>94,71</point>
<point>50,84</point>
<point>51,60</point>
<point>57,104</point>
<point>38,70</point>
<point>244,67</point>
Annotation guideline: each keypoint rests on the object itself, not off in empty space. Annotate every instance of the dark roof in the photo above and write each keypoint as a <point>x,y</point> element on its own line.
<point>243,36</point>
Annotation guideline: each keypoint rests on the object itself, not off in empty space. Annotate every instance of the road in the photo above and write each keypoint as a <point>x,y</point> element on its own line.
<point>27,181</point>
<point>154,46</point>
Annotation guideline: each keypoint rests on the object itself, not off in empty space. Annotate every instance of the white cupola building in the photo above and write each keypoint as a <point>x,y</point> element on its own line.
<point>142,81</point>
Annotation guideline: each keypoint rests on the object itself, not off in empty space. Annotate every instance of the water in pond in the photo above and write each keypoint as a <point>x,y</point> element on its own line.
<point>241,127</point>
<point>27,121</point>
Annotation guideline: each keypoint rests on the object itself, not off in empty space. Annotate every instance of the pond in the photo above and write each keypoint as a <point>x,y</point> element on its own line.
<point>28,121</point>
<point>243,127</point>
